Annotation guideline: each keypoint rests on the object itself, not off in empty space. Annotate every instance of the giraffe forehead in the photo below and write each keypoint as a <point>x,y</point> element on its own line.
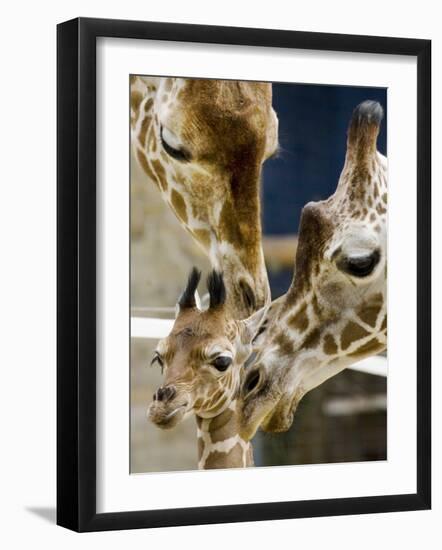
<point>229,97</point>
<point>352,238</point>
<point>199,340</point>
<point>217,115</point>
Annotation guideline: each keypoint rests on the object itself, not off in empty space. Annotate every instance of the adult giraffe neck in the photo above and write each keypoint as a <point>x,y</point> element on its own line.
<point>219,442</point>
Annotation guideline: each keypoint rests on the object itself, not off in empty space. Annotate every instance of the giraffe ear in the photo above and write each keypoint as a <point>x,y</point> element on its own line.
<point>254,325</point>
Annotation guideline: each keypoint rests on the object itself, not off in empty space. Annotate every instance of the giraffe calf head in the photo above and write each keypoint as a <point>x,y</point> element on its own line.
<point>202,356</point>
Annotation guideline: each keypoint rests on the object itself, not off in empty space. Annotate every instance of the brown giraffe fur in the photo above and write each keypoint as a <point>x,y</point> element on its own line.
<point>195,381</point>
<point>334,313</point>
<point>203,143</point>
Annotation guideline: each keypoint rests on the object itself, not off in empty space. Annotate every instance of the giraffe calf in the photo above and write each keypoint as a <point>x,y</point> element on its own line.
<point>202,359</point>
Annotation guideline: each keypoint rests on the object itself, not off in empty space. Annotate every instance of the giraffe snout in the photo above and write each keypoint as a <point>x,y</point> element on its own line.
<point>165,393</point>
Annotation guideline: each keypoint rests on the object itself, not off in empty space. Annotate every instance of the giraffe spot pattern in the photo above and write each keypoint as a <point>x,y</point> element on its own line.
<point>228,224</point>
<point>218,460</point>
<point>370,347</point>
<point>179,205</point>
<point>168,84</point>
<point>285,345</point>
<point>143,130</point>
<point>161,174</point>
<point>220,420</point>
<point>329,345</point>
<point>220,429</point>
<point>148,105</point>
<point>200,446</point>
<point>151,142</point>
<point>368,312</point>
<point>197,405</point>
<point>136,98</point>
<point>312,339</point>
<point>217,401</point>
<point>316,306</point>
<point>299,320</point>
<point>145,165</point>
<point>351,333</point>
<point>203,236</point>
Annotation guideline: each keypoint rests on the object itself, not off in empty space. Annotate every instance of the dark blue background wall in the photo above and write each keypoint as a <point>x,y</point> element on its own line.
<point>313,122</point>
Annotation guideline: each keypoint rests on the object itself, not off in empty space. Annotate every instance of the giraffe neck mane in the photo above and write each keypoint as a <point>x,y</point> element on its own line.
<point>219,443</point>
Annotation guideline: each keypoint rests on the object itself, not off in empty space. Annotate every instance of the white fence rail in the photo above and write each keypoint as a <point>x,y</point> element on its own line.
<point>150,327</point>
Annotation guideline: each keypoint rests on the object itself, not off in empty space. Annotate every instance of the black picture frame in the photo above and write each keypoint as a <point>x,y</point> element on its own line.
<point>76,273</point>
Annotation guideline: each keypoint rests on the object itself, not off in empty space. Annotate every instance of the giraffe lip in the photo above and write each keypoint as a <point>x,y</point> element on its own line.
<point>164,419</point>
<point>174,412</point>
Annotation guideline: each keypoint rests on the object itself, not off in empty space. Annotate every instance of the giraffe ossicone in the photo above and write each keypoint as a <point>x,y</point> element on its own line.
<point>202,143</point>
<point>202,358</point>
<point>334,312</point>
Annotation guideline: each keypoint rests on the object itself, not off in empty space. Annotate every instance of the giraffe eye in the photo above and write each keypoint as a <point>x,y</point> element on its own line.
<point>222,363</point>
<point>359,266</point>
<point>172,147</point>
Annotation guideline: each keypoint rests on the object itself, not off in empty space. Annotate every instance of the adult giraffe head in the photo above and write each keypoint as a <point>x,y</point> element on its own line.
<point>202,358</point>
<point>203,143</point>
<point>334,313</point>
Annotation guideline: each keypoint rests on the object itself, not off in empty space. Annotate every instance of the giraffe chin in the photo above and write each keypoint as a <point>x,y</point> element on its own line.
<point>281,416</point>
<point>166,417</point>
<point>277,423</point>
<point>273,411</point>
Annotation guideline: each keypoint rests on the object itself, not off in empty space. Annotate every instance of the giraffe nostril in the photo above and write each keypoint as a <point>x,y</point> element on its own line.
<point>251,382</point>
<point>165,393</point>
<point>248,295</point>
<point>171,392</point>
<point>159,395</point>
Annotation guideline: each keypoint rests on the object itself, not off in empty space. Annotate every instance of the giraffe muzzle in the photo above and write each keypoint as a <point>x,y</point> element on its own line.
<point>168,407</point>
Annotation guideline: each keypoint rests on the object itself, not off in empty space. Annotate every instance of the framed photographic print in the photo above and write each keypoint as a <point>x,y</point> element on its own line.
<point>238,212</point>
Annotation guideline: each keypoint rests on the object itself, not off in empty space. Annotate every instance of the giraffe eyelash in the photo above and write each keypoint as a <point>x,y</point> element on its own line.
<point>157,359</point>
<point>178,154</point>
